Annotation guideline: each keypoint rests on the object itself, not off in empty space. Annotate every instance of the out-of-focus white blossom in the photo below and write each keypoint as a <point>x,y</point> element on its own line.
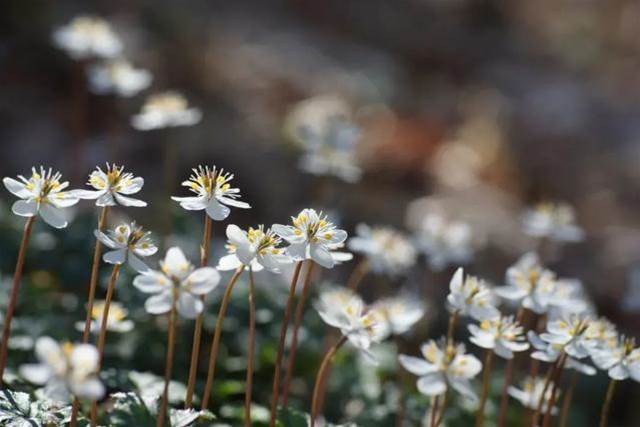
<point>570,334</point>
<point>471,296</point>
<point>444,242</point>
<point>399,313</point>
<point>129,242</point>
<point>116,320</point>
<point>621,359</point>
<point>554,221</point>
<point>601,333</point>
<point>256,249</point>
<point>502,334</point>
<point>88,36</point>
<point>549,353</point>
<point>386,250</point>
<point>163,110</point>
<point>118,77</point>
<point>113,187</point>
<point>530,393</point>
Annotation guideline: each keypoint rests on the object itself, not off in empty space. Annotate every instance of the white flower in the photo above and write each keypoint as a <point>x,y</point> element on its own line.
<point>88,36</point>
<point>550,353</point>
<point>65,371</point>
<point>362,328</point>
<point>529,283</point>
<point>621,360</point>
<point>555,221</point>
<point>42,194</point>
<point>116,320</point>
<point>129,242</point>
<point>112,187</point>
<point>502,334</point>
<point>312,237</point>
<point>386,250</point>
<point>400,314</point>
<point>569,333</point>
<point>531,392</point>
<point>119,77</point>
<point>168,109</point>
<point>601,333</point>
<point>213,193</point>
<point>471,296</point>
<point>340,257</point>
<point>177,279</point>
<point>569,298</point>
<point>444,242</point>
<point>256,248</point>
<point>441,367</point>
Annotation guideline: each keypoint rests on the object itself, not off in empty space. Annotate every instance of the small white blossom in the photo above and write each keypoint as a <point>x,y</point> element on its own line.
<point>444,242</point>
<point>118,77</point>
<point>42,195</point>
<point>471,296</point>
<point>129,243</point>
<point>168,109</point>
<point>502,334</point>
<point>116,320</point>
<point>112,187</point>
<point>178,279</point>
<point>569,298</point>
<point>550,353</point>
<point>555,221</point>
<point>441,367</point>
<point>65,371</point>
<point>601,333</point>
<point>88,36</point>
<point>213,193</point>
<point>256,248</point>
<point>621,360</point>
<point>569,333</point>
<point>529,395</point>
<point>386,250</point>
<point>399,314</point>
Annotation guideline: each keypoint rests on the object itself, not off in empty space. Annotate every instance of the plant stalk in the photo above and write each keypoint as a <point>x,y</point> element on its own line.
<point>323,366</point>
<point>171,342</point>
<point>250,351</point>
<point>606,406</point>
<point>486,376</point>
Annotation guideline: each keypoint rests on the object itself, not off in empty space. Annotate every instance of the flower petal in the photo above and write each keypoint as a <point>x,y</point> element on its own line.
<point>26,208</point>
<point>203,280</point>
<point>432,384</point>
<point>129,201</point>
<point>189,306</point>
<point>52,216</point>
<point>115,257</point>
<point>217,211</point>
<point>415,365</point>
<point>320,254</point>
<point>16,188</point>
<point>228,262</point>
<point>159,304</point>
<point>151,282</point>
<point>191,203</point>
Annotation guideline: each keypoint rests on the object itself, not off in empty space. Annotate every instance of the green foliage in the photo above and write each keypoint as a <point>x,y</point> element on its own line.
<point>18,409</point>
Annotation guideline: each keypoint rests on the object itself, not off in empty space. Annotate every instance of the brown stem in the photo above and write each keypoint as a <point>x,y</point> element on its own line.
<point>171,341</point>
<point>13,297</point>
<point>323,366</point>
<point>197,332</point>
<point>250,352</point>
<point>508,374</point>
<point>486,376</point>
<point>281,342</point>
<point>547,380</point>
<point>434,411</point>
<point>358,274</point>
<point>215,346</point>
<point>554,392</point>
<point>453,320</point>
<point>445,400</point>
<point>293,346</point>
<point>604,415</point>
<point>566,402</point>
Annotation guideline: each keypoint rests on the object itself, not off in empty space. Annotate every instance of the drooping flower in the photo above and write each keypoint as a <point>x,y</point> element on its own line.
<point>504,335</point>
<point>530,393</point>
<point>443,366</point>
<point>471,296</point>
<point>570,334</point>
<point>177,278</point>
<point>555,221</point>
<point>118,77</point>
<point>444,242</point>
<point>386,250</point>
<point>112,187</point>
<point>88,36</point>
<point>550,353</point>
<point>129,242</point>
<point>311,237</point>
<point>621,360</point>
<point>213,193</point>
<point>65,371</point>
<point>258,248</point>
<point>116,320</point>
<point>42,195</point>
<point>400,313</point>
<point>163,110</point>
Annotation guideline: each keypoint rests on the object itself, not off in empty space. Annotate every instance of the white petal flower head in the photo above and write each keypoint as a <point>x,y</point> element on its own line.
<point>400,313</point>
<point>570,334</point>
<point>386,250</point>
<point>530,393</point>
<point>116,321</point>
<point>256,249</point>
<point>444,242</point>
<point>549,353</point>
<point>177,279</point>
<point>86,37</point>
<point>42,194</point>
<point>621,359</point>
<point>529,283</point>
<point>569,298</point>
<point>312,236</point>
<point>554,221</point>
<point>504,335</point>
<point>118,77</point>
<point>213,193</point>
<point>471,296</point>
<point>129,243</point>
<point>443,366</point>
<point>65,371</point>
<point>163,110</point>
<point>113,186</point>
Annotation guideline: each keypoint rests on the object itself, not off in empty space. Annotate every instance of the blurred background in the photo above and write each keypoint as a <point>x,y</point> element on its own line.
<point>375,111</point>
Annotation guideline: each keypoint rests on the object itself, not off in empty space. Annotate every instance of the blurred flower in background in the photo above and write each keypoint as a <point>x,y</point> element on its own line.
<point>118,77</point>
<point>86,37</point>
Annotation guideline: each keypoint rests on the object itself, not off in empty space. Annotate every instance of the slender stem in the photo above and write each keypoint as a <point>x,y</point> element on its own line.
<point>215,346</point>
<point>281,342</point>
<point>508,374</point>
<point>486,376</point>
<point>115,272</point>
<point>171,342</point>
<point>13,297</point>
<point>554,392</point>
<point>607,403</point>
<point>250,352</point>
<point>323,366</point>
<point>566,402</point>
<point>197,332</point>
<point>445,401</point>
<point>453,320</point>
<point>434,411</point>
<point>358,274</point>
<point>547,381</point>
<point>293,346</point>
